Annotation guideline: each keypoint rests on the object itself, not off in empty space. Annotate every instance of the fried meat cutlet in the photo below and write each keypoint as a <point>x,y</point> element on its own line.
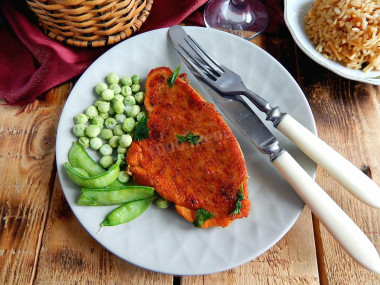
<point>207,172</point>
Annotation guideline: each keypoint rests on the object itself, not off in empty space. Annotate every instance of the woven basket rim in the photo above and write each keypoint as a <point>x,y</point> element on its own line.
<point>97,34</point>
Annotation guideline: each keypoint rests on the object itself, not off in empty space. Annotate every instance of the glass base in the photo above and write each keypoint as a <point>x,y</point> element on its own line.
<point>247,20</point>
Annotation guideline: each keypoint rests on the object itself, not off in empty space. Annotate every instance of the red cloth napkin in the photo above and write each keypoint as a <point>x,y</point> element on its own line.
<point>31,63</point>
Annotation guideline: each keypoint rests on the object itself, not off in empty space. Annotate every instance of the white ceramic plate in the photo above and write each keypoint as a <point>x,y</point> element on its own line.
<point>294,13</point>
<point>160,240</point>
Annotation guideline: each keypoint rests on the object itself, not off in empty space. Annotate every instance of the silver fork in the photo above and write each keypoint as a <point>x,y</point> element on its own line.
<point>228,83</point>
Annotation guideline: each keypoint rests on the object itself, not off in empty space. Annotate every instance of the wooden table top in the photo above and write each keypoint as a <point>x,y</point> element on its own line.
<point>41,242</point>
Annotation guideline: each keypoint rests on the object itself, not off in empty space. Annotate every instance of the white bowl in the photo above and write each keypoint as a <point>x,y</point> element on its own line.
<point>294,13</point>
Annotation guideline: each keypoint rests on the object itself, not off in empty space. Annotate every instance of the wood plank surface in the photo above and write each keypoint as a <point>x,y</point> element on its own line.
<point>347,114</point>
<point>27,153</point>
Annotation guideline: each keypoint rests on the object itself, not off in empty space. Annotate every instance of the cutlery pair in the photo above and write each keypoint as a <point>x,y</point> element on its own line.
<point>230,88</point>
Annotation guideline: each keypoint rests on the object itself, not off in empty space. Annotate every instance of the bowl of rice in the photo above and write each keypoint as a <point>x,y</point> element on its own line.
<point>341,35</point>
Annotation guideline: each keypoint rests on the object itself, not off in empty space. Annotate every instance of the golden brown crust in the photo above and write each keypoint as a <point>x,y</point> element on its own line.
<point>205,175</point>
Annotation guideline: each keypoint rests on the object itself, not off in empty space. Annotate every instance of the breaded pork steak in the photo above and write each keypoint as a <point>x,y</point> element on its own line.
<point>205,171</point>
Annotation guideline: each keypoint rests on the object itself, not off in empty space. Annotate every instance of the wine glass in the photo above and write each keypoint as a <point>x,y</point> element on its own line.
<point>245,18</point>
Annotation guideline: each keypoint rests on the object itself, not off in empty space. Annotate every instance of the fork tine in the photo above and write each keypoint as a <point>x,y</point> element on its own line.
<point>206,54</point>
<point>192,57</point>
<point>195,64</point>
<point>202,59</point>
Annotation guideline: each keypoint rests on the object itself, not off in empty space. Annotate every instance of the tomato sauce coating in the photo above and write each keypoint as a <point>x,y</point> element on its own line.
<point>207,174</point>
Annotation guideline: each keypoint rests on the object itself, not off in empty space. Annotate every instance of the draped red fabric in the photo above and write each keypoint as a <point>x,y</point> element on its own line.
<point>31,63</point>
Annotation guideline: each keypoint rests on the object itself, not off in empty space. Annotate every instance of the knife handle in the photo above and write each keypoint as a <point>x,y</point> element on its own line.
<point>340,226</point>
<point>359,184</point>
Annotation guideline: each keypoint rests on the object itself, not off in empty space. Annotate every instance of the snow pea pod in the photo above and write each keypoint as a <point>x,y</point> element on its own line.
<point>127,212</point>
<point>114,196</point>
<point>98,181</point>
<point>79,158</point>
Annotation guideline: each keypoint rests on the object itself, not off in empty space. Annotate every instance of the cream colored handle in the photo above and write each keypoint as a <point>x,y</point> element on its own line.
<point>359,184</point>
<point>340,226</point>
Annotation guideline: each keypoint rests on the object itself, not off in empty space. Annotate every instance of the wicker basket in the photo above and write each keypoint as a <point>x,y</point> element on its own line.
<point>91,23</point>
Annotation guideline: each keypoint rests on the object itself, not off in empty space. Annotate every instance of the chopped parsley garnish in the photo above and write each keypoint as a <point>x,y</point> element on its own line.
<point>201,217</point>
<point>173,76</point>
<point>190,138</point>
<point>142,130</point>
<point>238,201</point>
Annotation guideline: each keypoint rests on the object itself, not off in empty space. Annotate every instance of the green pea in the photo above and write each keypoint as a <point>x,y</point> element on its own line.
<point>81,119</point>
<point>118,107</point>
<point>129,100</point>
<point>111,112</point>
<point>79,130</point>
<point>136,79</point>
<point>98,181</point>
<point>132,111</point>
<point>139,97</point>
<point>118,97</point>
<point>118,130</point>
<point>103,106</point>
<point>106,161</point>
<point>104,115</point>
<point>79,158</point>
<point>114,141</point>
<point>121,150</point>
<point>110,123</point>
<point>126,80</point>
<point>120,118</point>
<point>112,78</point>
<point>128,125</point>
<point>106,134</point>
<point>127,212</point>
<point>108,94</point>
<point>126,91</point>
<point>124,178</point>
<point>135,87</point>
<point>161,202</point>
<point>100,87</point>
<point>92,131</point>
<point>91,111</point>
<point>115,87</point>
<point>114,196</point>
<point>141,115</point>
<point>105,149</point>
<point>98,121</point>
<point>125,141</point>
<point>95,143</point>
<point>84,141</point>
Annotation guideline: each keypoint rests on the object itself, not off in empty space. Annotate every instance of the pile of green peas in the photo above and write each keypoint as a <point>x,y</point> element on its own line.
<point>108,125</point>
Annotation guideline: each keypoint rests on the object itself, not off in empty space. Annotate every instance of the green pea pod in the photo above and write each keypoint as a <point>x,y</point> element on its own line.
<point>127,212</point>
<point>79,158</point>
<point>114,196</point>
<point>98,181</point>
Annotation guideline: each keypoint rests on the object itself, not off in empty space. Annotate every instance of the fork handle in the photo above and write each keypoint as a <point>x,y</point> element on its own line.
<point>359,184</point>
<point>335,220</point>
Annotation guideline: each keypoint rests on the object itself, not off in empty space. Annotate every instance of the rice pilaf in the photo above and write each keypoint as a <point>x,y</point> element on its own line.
<point>347,31</point>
